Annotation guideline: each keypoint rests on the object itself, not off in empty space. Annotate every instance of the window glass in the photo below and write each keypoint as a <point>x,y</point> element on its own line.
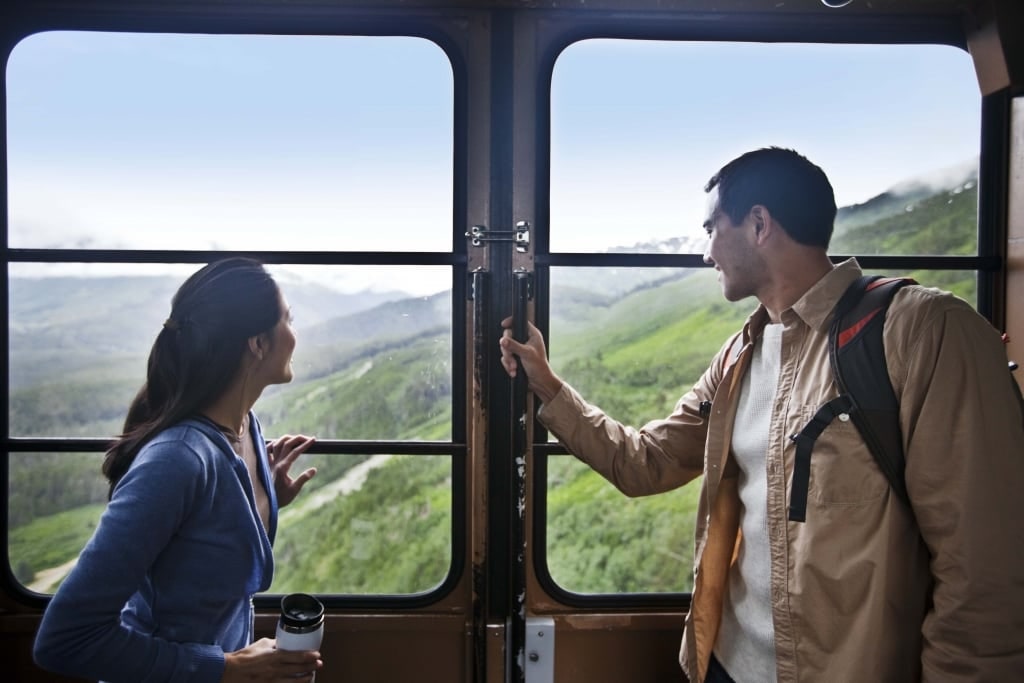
<point>963,283</point>
<point>54,501</point>
<point>599,541</point>
<point>370,364</point>
<point>377,524</point>
<point>220,142</point>
<point>79,344</point>
<point>632,341</point>
<point>638,127</point>
<point>164,141</point>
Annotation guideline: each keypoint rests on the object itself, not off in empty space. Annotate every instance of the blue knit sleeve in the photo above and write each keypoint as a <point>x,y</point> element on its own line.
<point>81,633</point>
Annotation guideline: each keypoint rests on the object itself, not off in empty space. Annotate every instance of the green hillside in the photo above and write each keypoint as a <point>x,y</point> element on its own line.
<point>641,353</point>
<point>382,524</point>
<point>943,223</point>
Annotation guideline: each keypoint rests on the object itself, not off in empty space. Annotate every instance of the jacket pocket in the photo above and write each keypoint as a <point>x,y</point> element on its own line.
<point>843,470</point>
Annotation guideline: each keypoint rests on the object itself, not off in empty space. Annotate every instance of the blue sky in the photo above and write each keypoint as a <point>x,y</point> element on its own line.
<point>870,116</point>
<point>167,141</point>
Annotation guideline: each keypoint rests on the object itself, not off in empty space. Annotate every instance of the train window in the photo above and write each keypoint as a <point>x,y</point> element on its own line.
<point>119,140</point>
<point>120,144</point>
<point>637,128</point>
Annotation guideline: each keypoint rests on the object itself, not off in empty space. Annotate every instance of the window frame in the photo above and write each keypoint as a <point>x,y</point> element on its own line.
<point>559,32</point>
<point>439,27</point>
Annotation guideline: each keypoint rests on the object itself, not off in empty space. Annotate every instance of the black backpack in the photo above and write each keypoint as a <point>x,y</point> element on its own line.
<point>866,396</point>
<point>857,356</point>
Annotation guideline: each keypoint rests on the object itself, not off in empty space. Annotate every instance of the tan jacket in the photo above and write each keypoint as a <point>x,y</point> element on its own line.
<point>863,590</point>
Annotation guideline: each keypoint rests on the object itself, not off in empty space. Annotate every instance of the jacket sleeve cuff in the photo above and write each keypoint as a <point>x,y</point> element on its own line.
<point>205,664</point>
<point>561,414</point>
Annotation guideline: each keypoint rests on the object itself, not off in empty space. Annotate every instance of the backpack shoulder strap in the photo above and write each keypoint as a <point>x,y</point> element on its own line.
<point>857,355</point>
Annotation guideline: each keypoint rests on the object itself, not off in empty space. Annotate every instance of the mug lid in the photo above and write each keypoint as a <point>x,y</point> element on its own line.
<point>301,609</point>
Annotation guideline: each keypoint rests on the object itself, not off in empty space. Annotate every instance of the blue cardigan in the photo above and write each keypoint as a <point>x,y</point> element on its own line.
<point>178,554</point>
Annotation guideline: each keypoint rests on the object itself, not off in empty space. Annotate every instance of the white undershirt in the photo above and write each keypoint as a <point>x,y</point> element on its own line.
<point>746,640</point>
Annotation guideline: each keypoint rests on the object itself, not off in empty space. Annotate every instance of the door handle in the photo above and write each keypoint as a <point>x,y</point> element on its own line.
<point>521,294</point>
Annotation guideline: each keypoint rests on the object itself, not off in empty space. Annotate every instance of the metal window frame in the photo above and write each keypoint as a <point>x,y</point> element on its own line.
<point>444,28</point>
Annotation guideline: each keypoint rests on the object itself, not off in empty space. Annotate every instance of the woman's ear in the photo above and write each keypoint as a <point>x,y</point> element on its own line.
<point>258,345</point>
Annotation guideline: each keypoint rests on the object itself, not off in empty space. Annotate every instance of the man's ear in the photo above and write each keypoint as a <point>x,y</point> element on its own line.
<point>762,219</point>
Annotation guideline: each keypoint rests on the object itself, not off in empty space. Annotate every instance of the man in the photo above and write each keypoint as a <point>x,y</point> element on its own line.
<point>867,588</point>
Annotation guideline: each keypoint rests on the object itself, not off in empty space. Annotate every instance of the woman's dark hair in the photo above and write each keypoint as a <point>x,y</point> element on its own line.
<point>795,191</point>
<point>198,351</point>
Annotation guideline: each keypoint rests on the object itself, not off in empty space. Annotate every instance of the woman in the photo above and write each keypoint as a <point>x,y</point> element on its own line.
<point>163,590</point>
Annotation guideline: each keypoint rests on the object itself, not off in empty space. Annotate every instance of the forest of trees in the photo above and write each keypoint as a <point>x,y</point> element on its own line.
<point>383,524</point>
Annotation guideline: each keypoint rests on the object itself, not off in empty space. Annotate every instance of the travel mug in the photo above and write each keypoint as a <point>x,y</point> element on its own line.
<point>301,625</point>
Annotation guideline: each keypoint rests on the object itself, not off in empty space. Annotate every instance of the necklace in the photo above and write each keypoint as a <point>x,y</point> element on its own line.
<point>230,433</point>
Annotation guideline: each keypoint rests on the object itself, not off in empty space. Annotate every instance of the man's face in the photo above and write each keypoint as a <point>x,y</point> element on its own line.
<point>732,251</point>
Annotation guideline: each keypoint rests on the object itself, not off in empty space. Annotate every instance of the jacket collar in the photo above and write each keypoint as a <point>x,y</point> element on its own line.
<point>815,307</point>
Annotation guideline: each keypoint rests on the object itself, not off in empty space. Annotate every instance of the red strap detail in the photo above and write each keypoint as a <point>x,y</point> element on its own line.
<point>850,332</point>
<point>879,282</point>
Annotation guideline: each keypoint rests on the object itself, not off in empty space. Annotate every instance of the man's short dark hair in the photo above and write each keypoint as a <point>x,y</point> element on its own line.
<point>795,191</point>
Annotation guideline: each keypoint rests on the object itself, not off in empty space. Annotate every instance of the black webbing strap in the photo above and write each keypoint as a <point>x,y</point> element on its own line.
<point>857,356</point>
<point>804,440</point>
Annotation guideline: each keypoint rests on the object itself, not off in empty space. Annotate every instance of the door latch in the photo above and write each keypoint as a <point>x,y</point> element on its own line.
<point>479,234</point>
